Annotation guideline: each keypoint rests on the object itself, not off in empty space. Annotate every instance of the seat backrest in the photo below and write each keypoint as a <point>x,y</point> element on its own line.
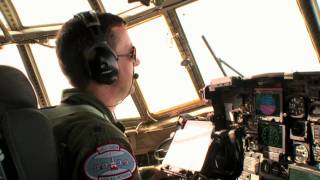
<point>26,137</point>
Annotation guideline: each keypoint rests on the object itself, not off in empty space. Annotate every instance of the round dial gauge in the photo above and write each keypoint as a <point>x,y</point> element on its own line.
<point>314,111</point>
<point>316,152</point>
<point>265,166</point>
<point>275,168</point>
<point>302,154</point>
<point>297,107</point>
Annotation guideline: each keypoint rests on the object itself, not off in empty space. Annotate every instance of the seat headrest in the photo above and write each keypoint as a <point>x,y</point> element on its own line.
<point>15,89</point>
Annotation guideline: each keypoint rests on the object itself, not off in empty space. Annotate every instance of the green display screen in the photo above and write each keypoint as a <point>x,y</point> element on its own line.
<point>270,134</point>
<point>295,174</point>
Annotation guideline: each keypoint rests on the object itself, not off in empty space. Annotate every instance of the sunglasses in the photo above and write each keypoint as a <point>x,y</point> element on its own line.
<point>132,54</point>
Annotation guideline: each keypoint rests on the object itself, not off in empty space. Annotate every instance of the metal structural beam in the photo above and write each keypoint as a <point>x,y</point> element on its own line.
<point>310,12</point>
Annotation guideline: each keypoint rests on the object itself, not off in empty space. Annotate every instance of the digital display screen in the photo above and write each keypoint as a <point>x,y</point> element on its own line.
<point>299,129</point>
<point>302,173</point>
<point>295,174</point>
<point>268,102</point>
<point>271,134</point>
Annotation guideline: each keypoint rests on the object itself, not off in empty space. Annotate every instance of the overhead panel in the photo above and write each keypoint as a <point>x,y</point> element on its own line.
<point>123,8</point>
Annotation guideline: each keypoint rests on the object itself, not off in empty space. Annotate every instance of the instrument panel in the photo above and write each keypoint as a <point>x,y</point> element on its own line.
<point>281,117</point>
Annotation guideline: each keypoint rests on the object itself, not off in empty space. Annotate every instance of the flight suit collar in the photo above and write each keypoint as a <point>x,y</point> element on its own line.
<point>79,97</point>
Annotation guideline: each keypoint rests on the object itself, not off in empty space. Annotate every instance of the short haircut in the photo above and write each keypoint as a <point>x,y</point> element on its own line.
<point>71,41</point>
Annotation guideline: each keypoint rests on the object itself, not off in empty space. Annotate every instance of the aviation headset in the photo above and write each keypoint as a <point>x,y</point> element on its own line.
<point>100,60</point>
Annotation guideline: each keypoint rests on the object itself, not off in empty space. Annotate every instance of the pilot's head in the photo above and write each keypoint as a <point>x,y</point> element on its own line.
<point>95,50</point>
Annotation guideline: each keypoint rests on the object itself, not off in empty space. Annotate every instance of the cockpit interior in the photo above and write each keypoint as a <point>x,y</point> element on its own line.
<point>206,65</point>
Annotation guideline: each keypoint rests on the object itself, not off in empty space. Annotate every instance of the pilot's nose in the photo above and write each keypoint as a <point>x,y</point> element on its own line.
<point>137,62</point>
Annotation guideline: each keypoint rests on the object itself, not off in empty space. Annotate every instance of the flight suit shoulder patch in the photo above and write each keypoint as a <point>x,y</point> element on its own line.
<point>110,161</point>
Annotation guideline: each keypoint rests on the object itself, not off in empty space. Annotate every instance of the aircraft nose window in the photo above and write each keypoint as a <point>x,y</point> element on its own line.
<point>158,64</point>
<point>244,40</point>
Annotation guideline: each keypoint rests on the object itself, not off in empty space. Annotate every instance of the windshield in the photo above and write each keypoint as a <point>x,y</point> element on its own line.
<point>252,36</point>
<point>176,43</point>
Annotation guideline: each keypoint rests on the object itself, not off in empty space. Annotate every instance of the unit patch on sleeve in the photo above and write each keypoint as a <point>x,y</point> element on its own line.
<point>110,162</point>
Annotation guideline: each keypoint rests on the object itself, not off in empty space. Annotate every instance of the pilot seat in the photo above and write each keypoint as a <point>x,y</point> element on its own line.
<point>27,147</point>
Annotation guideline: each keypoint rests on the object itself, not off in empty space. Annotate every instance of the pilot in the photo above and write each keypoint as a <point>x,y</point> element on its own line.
<point>97,56</point>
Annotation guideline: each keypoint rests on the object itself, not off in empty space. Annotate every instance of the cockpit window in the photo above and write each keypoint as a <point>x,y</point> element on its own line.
<point>4,22</point>
<point>1,32</point>
<point>253,37</point>
<point>48,65</point>
<point>316,7</point>
<point>9,56</point>
<point>163,81</point>
<point>47,11</point>
<point>127,109</point>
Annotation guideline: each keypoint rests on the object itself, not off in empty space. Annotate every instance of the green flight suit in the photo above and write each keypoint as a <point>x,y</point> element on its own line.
<point>91,145</point>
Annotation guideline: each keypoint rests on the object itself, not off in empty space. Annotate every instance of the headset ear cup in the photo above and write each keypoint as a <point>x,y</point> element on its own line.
<point>100,60</point>
<point>103,64</point>
<point>88,56</point>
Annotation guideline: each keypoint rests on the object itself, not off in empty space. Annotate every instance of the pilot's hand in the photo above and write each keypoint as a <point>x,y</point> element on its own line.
<point>154,173</point>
